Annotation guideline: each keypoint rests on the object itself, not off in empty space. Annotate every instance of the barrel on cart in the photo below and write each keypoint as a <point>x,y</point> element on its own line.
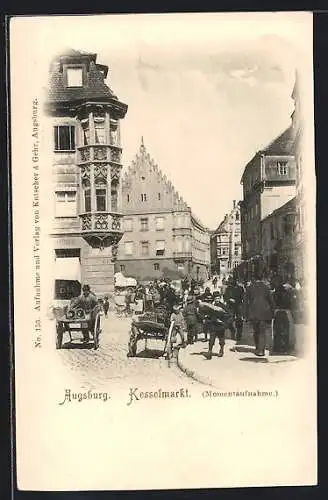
<point>73,321</point>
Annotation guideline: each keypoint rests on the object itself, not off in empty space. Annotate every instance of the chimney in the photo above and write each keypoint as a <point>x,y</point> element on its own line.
<point>234,203</point>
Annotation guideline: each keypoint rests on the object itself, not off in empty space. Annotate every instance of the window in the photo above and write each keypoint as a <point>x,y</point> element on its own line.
<point>65,203</point>
<point>159,196</point>
<point>256,208</point>
<point>272,230</point>
<point>144,224</point>
<point>86,131</point>
<point>122,268</point>
<point>99,130</point>
<point>143,197</point>
<point>282,168</point>
<point>159,221</point>
<point>236,251</point>
<point>128,198</point>
<point>128,248</point>
<point>160,247</point>
<point>237,216</point>
<point>181,221</point>
<point>101,199</point>
<point>127,224</point>
<point>156,267</point>
<point>187,244</point>
<point>64,136</point>
<point>87,199</point>
<point>179,244</point>
<point>114,201</point>
<point>144,248</point>
<point>74,77</point>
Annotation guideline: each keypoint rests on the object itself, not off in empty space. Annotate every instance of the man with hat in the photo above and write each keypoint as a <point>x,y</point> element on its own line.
<point>216,326</point>
<point>193,323</point>
<point>207,296</point>
<point>86,301</point>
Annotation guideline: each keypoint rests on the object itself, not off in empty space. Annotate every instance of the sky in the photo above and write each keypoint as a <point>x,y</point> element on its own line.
<point>206,91</point>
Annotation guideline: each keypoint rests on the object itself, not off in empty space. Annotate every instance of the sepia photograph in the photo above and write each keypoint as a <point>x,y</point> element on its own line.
<point>164,265</point>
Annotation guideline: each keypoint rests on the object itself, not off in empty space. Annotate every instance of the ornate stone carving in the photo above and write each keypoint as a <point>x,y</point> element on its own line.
<point>86,222</point>
<point>114,252</point>
<point>116,223</point>
<point>100,153</point>
<point>85,174</point>
<point>100,172</point>
<point>115,155</point>
<point>85,154</point>
<point>101,221</point>
<point>115,173</point>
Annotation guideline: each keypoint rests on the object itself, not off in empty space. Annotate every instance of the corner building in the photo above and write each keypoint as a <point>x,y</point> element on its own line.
<point>162,237</point>
<point>268,183</point>
<point>85,118</point>
<point>226,243</point>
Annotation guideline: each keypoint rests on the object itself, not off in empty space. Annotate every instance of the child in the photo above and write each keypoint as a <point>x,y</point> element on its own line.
<point>105,305</point>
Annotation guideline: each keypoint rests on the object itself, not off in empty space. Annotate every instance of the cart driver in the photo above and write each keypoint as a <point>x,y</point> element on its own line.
<point>86,301</point>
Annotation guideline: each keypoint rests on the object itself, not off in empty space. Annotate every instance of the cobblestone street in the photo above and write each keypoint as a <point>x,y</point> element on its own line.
<point>96,368</point>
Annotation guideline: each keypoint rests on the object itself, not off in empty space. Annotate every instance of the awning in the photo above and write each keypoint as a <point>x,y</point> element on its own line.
<point>68,268</point>
<point>122,282</point>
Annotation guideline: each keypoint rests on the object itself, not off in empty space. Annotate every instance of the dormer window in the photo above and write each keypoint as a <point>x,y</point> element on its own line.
<point>74,77</point>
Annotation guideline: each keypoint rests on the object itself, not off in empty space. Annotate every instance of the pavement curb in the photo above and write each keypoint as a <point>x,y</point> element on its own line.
<point>192,374</point>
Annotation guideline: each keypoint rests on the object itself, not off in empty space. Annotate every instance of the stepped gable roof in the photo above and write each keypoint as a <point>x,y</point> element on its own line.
<point>95,87</point>
<point>143,161</point>
<point>282,145</point>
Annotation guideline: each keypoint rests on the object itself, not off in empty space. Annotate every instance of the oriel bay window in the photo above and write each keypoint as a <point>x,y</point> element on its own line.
<point>64,138</point>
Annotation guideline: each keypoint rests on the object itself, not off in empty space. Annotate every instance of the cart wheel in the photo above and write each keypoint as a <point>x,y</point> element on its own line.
<point>96,331</point>
<point>59,335</point>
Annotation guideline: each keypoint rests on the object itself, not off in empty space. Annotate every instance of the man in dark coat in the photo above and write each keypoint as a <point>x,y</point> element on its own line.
<point>234,298</point>
<point>207,296</point>
<point>87,301</point>
<point>259,309</point>
<point>216,325</point>
<point>193,322</point>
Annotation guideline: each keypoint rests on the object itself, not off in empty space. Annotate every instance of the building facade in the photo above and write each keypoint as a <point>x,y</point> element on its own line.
<point>226,243</point>
<point>268,183</point>
<point>300,223</point>
<point>278,234</point>
<point>162,237</point>
<point>84,115</point>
